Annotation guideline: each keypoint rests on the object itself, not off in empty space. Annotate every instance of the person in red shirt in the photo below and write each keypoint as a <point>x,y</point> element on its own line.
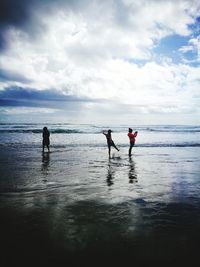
<point>132,137</point>
<point>109,141</point>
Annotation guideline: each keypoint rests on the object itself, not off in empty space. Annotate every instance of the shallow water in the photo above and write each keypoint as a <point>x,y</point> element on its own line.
<point>75,202</point>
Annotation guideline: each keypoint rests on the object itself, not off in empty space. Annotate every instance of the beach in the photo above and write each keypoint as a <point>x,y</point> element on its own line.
<point>74,203</point>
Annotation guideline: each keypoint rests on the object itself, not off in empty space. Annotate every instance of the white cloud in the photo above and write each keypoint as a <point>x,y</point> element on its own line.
<point>186,48</point>
<point>193,46</point>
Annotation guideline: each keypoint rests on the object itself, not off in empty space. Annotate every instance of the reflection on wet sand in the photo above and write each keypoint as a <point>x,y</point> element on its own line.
<point>132,172</point>
<point>112,167</point>
<point>45,162</point>
<point>110,174</point>
<point>80,211</point>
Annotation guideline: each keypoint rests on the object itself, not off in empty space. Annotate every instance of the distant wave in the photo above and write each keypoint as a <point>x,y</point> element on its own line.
<point>174,130</point>
<point>67,131</point>
<point>98,145</point>
<point>171,145</point>
<point>36,131</point>
<point>90,131</point>
<point>66,128</point>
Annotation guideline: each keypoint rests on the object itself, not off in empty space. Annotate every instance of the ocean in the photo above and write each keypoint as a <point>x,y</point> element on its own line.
<point>76,203</point>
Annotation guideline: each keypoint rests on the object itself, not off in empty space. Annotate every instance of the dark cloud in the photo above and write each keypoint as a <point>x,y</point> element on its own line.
<point>14,12</point>
<point>19,13</point>
<point>17,97</point>
<point>11,76</point>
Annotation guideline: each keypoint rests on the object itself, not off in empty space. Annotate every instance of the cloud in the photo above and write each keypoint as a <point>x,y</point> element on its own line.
<point>33,98</point>
<point>193,46</point>
<point>26,111</point>
<point>12,76</point>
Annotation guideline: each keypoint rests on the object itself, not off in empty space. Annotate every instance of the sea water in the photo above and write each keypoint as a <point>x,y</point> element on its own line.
<point>86,134</point>
<point>76,201</point>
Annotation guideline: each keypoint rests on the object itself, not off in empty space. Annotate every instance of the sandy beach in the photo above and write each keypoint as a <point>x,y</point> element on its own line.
<point>75,203</point>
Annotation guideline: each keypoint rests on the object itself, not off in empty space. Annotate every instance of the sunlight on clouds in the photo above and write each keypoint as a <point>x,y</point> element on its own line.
<point>26,110</point>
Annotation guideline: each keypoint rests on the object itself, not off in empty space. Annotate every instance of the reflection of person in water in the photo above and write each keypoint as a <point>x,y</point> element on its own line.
<point>132,173</point>
<point>45,141</point>
<point>45,165</point>
<point>132,137</point>
<point>109,141</point>
<point>45,162</point>
<point>110,175</point>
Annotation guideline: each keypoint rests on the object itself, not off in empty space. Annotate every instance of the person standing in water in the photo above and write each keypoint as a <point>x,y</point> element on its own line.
<point>132,137</point>
<point>109,141</point>
<point>46,141</point>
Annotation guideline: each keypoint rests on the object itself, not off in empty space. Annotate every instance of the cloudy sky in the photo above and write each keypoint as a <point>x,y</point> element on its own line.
<point>119,61</point>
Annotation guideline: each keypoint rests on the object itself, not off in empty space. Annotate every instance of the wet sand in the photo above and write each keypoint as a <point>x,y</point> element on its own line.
<point>75,204</point>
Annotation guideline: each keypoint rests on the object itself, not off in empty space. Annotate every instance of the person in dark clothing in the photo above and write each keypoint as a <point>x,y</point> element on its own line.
<point>109,141</point>
<point>46,141</point>
<point>132,137</point>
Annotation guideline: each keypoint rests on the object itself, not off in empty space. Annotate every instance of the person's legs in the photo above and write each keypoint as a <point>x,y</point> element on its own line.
<point>109,150</point>
<point>113,144</point>
<point>43,146</point>
<point>130,149</point>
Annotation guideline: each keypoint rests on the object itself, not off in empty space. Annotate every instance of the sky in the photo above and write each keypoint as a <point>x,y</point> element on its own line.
<point>100,61</point>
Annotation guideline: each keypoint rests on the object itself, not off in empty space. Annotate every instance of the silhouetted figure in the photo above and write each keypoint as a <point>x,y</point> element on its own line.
<point>46,141</point>
<point>132,137</point>
<point>109,141</point>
